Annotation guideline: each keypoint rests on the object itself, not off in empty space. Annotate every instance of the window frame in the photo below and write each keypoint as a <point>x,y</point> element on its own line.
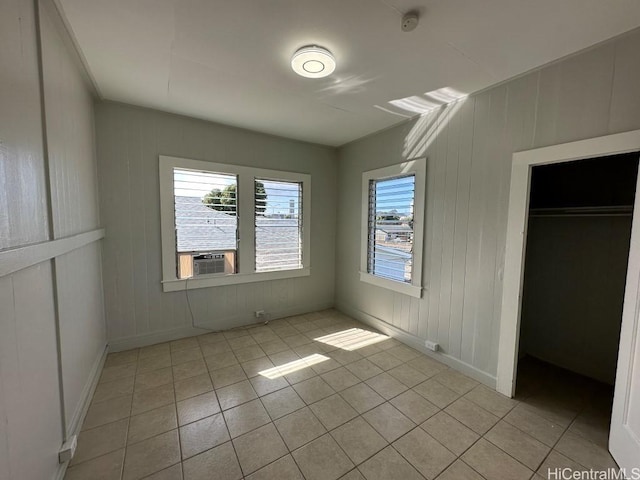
<point>301,225</point>
<point>246,250</point>
<point>415,167</point>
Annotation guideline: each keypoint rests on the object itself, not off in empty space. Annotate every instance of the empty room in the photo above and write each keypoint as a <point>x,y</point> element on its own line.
<point>360,240</point>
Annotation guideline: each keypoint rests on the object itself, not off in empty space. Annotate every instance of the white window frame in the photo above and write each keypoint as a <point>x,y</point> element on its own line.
<point>246,224</point>
<point>415,167</point>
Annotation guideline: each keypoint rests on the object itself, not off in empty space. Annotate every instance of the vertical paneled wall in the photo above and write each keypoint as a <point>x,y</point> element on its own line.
<point>74,206</point>
<point>23,190</point>
<point>130,141</point>
<point>30,413</point>
<point>469,147</point>
<point>70,133</point>
<point>52,333</point>
<point>32,424</point>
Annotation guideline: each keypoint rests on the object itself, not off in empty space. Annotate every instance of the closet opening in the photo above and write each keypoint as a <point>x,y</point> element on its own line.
<point>577,251</point>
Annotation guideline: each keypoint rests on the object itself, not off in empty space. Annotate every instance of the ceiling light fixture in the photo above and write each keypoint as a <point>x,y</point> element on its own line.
<point>313,62</point>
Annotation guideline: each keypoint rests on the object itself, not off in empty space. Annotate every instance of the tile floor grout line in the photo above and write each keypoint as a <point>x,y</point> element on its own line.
<point>523,432</point>
<point>483,436</point>
<point>175,407</point>
<point>124,456</point>
<point>233,445</point>
<point>306,443</point>
<point>480,436</point>
<point>289,451</point>
<point>409,461</point>
<point>327,432</point>
<point>505,452</point>
<point>387,443</point>
<point>553,448</point>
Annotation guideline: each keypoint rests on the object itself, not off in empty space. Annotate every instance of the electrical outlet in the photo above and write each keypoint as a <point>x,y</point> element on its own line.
<point>260,314</point>
<point>433,346</point>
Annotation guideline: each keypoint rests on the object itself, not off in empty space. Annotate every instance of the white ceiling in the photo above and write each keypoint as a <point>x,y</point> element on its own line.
<point>228,60</point>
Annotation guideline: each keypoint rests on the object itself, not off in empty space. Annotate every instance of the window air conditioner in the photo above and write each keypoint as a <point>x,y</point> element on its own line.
<point>208,264</point>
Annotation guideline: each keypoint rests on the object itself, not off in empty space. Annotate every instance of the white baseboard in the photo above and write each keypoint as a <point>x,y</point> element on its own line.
<point>75,424</point>
<point>418,343</point>
<point>146,339</point>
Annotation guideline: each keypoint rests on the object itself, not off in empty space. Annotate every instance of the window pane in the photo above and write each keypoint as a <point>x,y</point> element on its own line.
<point>390,240</point>
<point>278,225</point>
<point>206,222</point>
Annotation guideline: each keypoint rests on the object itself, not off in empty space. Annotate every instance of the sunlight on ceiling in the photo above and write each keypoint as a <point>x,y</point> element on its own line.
<point>351,84</point>
<point>422,104</point>
<point>427,128</point>
<point>415,104</point>
<point>294,366</point>
<point>352,339</point>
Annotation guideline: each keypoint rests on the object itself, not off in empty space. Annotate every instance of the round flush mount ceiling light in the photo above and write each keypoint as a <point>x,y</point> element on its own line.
<point>313,62</point>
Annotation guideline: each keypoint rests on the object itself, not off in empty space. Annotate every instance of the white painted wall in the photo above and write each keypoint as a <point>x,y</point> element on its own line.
<point>32,425</point>
<point>469,147</point>
<point>70,132</point>
<point>130,140</point>
<point>22,168</point>
<point>52,333</point>
<point>575,274</point>
<point>74,204</point>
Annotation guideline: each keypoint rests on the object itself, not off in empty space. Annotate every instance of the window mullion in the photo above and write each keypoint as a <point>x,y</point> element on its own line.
<point>246,228</point>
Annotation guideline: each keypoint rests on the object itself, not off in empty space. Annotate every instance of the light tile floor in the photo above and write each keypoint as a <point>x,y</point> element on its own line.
<point>198,408</point>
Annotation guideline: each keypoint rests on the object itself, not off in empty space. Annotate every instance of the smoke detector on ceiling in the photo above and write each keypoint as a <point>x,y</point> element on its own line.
<point>313,62</point>
<point>409,22</point>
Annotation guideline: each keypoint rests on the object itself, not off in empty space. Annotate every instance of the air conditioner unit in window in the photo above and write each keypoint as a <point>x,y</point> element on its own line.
<point>208,264</point>
<point>195,264</point>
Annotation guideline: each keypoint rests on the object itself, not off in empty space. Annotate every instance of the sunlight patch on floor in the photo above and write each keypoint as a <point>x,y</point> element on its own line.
<point>352,339</point>
<point>294,366</point>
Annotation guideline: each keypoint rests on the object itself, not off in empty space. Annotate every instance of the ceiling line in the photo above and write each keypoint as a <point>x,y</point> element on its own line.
<point>392,7</point>
<point>467,57</point>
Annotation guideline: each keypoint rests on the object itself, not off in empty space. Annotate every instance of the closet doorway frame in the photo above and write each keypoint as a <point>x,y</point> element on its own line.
<point>517,223</point>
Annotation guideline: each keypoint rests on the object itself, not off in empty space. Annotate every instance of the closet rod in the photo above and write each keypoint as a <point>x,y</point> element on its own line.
<point>540,215</point>
<point>612,211</point>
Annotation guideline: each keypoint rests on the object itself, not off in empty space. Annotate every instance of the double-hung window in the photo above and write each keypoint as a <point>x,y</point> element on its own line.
<point>227,224</point>
<point>392,227</point>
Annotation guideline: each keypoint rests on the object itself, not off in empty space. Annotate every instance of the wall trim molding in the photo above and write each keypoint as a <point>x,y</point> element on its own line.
<point>74,426</point>
<point>237,321</point>
<point>75,422</point>
<point>418,343</point>
<point>59,16</point>
<point>19,258</point>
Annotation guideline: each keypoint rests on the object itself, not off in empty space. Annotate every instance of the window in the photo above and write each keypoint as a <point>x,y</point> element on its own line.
<point>390,243</point>
<point>392,227</point>
<point>227,224</point>
<point>206,221</point>
<point>278,225</point>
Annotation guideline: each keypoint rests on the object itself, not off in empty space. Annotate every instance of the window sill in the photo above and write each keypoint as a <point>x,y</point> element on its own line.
<point>174,285</point>
<point>405,288</point>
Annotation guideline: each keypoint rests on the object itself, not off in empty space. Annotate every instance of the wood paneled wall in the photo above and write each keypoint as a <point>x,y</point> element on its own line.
<point>130,140</point>
<point>23,192</point>
<point>469,147</point>
<point>52,331</point>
